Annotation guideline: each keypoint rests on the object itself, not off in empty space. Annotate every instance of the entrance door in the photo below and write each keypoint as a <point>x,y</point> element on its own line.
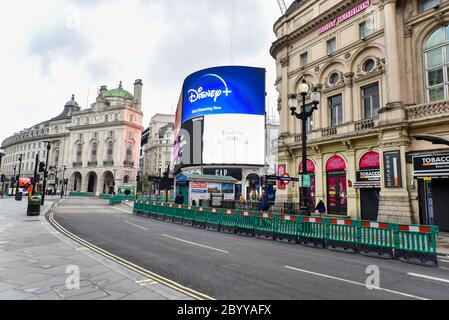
<point>440,192</point>
<point>369,199</point>
<point>91,184</point>
<point>337,194</point>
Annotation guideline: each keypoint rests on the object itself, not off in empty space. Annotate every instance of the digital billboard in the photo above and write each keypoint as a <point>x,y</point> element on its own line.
<point>223,117</point>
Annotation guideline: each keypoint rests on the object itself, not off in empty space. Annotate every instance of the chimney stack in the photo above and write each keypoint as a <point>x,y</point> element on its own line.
<point>138,93</point>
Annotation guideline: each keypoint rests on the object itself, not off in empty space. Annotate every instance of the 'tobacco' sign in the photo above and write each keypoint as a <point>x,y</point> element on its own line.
<point>344,17</point>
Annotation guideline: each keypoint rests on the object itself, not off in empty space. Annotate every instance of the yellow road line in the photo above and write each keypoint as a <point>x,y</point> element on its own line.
<point>174,285</point>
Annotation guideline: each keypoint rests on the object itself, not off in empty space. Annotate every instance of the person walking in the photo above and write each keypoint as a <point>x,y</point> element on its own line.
<point>321,207</point>
<point>264,205</point>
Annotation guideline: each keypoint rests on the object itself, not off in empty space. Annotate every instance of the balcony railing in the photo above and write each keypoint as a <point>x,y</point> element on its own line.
<point>128,163</point>
<point>92,163</point>
<point>428,110</point>
<point>77,164</point>
<point>364,125</point>
<point>108,163</point>
<point>329,132</point>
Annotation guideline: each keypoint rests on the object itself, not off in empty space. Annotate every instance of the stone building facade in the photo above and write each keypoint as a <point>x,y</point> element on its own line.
<point>382,68</point>
<point>96,146</point>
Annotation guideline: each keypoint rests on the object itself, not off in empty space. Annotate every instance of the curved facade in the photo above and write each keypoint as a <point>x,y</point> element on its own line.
<point>382,69</point>
<point>96,145</point>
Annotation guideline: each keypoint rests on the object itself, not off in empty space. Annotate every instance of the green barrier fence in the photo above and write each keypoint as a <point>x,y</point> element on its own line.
<point>81,194</point>
<point>105,196</point>
<point>407,243</point>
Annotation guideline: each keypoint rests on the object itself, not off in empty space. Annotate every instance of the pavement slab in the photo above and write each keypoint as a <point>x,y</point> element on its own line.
<point>35,256</point>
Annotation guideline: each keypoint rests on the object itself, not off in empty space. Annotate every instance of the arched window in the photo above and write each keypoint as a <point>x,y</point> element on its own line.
<point>436,61</point>
<point>93,153</point>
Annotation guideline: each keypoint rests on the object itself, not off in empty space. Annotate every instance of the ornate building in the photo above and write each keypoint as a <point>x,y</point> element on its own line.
<point>93,148</point>
<point>382,68</point>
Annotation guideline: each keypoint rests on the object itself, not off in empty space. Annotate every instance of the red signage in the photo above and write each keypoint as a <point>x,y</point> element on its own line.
<point>281,172</point>
<point>335,163</point>
<point>310,167</point>
<point>370,160</point>
<point>344,17</point>
<point>286,175</point>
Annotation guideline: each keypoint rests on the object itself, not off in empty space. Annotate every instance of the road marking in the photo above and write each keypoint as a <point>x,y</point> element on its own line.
<point>144,272</point>
<point>355,283</point>
<point>442,260</point>
<point>427,277</point>
<point>195,244</point>
<point>135,225</point>
<point>122,210</point>
<point>146,282</point>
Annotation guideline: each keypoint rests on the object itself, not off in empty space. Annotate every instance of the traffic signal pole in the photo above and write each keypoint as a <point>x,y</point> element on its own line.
<point>36,165</point>
<point>44,188</point>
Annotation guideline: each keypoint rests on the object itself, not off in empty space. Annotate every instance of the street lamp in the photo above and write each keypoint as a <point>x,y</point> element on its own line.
<point>304,89</point>
<point>44,187</point>
<point>13,180</point>
<point>113,181</point>
<point>2,153</point>
<point>63,181</point>
<point>18,179</point>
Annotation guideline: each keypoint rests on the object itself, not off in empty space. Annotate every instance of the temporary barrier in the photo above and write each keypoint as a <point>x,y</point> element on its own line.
<point>152,209</point>
<point>264,225</point>
<point>245,222</point>
<point>170,212</point>
<point>188,215</point>
<point>312,232</point>
<point>161,211</point>
<point>416,244</point>
<point>200,217</point>
<point>375,239</point>
<point>341,235</point>
<point>287,228</point>
<point>178,214</point>
<point>228,221</point>
<point>213,219</point>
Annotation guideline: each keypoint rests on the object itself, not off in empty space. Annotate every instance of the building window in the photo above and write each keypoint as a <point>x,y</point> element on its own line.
<point>368,65</point>
<point>331,45</point>
<point>366,28</point>
<point>336,109</point>
<point>129,153</point>
<point>429,4</point>
<point>371,100</point>
<point>436,60</point>
<point>79,152</point>
<point>304,59</point>
<point>93,154</point>
<point>110,150</point>
<point>56,157</point>
<point>334,78</point>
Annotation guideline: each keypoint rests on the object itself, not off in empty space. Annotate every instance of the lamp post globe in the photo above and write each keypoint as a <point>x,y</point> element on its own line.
<point>304,88</point>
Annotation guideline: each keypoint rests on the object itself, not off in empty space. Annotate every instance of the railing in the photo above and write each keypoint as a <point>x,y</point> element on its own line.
<point>92,163</point>
<point>329,132</point>
<point>128,163</point>
<point>108,163</point>
<point>364,125</point>
<point>77,164</point>
<point>428,110</point>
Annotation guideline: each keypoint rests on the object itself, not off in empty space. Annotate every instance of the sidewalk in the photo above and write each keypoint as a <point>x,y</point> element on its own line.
<point>34,258</point>
<point>443,244</point>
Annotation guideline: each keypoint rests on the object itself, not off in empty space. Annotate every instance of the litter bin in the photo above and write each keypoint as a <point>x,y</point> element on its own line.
<point>19,196</point>
<point>34,206</point>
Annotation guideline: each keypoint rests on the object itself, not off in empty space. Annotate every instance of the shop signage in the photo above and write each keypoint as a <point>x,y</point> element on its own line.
<point>199,187</point>
<point>431,165</point>
<point>372,175</point>
<point>306,181</point>
<point>282,168</point>
<point>370,160</point>
<point>345,16</point>
<point>226,172</point>
<point>393,169</point>
<point>310,167</point>
<point>335,163</point>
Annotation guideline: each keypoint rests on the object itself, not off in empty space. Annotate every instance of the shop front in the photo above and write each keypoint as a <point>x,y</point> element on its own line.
<point>310,171</point>
<point>368,182</point>
<point>337,200</point>
<point>432,173</point>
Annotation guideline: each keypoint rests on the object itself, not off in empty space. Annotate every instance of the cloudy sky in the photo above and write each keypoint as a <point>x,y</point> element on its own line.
<point>51,49</point>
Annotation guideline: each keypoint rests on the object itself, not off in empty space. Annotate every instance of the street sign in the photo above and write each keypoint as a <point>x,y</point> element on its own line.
<point>306,183</point>
<point>286,179</point>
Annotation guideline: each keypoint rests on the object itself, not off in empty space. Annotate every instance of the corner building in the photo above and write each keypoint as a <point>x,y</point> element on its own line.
<point>382,68</point>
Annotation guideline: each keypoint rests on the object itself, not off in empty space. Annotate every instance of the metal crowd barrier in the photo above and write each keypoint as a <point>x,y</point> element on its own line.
<point>407,243</point>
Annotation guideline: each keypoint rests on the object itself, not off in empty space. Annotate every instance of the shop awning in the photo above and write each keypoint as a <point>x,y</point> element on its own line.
<point>431,138</point>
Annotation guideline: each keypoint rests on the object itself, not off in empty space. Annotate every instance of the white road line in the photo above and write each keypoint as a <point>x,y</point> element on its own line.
<point>442,260</point>
<point>355,283</point>
<point>427,277</point>
<point>135,225</point>
<point>122,210</point>
<point>196,244</point>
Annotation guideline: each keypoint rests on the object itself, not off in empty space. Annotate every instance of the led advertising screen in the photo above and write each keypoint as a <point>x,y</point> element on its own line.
<point>223,117</point>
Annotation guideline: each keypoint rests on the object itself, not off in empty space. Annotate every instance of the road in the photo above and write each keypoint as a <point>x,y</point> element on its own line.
<point>227,266</point>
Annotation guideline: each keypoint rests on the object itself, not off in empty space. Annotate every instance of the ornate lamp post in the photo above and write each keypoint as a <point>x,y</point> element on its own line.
<point>304,89</point>
<point>63,181</point>
<point>2,153</point>
<point>44,188</point>
<point>18,179</point>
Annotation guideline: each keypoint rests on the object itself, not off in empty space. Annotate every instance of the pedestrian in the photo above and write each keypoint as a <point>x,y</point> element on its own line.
<point>320,207</point>
<point>264,204</point>
<point>242,198</point>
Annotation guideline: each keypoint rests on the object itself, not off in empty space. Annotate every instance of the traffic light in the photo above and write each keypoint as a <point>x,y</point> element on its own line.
<point>138,179</point>
<point>41,166</point>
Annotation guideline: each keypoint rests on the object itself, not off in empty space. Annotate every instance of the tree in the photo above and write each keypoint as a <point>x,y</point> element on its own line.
<point>144,182</point>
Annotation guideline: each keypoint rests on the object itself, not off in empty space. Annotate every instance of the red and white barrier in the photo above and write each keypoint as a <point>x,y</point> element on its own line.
<point>418,229</point>
<point>341,222</point>
<point>265,215</point>
<point>287,217</point>
<point>374,225</point>
<point>246,213</point>
<point>229,212</point>
<point>212,210</point>
<point>312,220</point>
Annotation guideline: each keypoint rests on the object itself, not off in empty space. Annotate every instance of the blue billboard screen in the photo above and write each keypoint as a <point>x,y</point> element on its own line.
<point>224,90</point>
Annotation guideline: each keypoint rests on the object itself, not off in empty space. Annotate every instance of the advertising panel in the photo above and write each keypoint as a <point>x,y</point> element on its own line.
<point>393,169</point>
<point>436,165</point>
<point>223,118</point>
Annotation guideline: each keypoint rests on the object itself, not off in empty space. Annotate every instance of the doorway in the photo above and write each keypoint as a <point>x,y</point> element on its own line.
<point>369,200</point>
<point>337,193</point>
<point>440,203</point>
<point>92,183</point>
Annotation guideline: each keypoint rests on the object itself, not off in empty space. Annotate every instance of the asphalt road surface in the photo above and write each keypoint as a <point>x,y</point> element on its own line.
<point>228,266</point>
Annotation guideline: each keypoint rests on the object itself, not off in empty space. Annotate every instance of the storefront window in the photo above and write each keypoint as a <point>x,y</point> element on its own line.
<point>336,186</point>
<point>436,55</point>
